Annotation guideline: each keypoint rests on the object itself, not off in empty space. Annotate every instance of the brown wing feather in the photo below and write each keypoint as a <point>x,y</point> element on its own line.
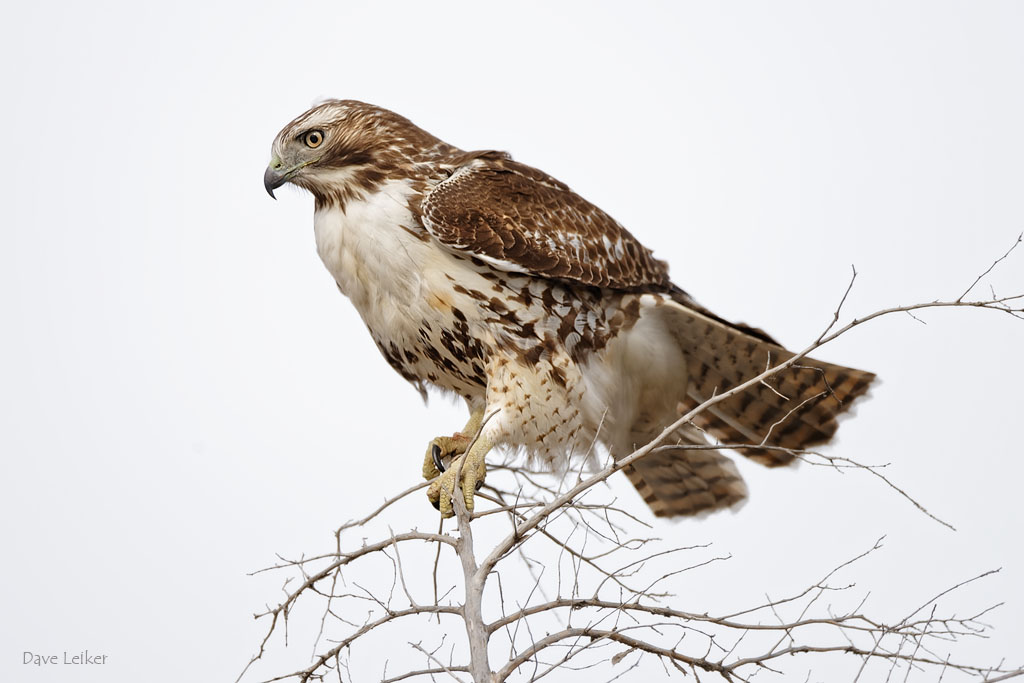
<point>518,218</point>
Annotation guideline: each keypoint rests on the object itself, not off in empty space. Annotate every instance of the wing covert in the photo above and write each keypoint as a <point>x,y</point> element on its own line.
<point>517,218</point>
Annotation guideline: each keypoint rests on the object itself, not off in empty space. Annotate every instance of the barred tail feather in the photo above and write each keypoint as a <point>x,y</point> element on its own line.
<point>676,481</point>
<point>794,409</point>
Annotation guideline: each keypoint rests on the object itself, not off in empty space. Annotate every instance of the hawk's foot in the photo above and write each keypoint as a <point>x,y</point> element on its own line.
<point>442,451</point>
<point>470,469</point>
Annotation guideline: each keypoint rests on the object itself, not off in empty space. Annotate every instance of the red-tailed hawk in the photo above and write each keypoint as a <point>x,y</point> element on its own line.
<point>482,276</point>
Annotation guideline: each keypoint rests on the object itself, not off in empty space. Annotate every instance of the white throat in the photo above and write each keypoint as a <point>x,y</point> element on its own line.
<point>372,258</point>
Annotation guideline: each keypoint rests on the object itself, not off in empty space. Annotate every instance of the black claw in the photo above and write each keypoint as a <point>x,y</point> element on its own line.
<point>436,504</point>
<point>435,453</point>
<point>479,484</point>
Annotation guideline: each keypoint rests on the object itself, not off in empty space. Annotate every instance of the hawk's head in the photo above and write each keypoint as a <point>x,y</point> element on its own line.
<point>342,147</point>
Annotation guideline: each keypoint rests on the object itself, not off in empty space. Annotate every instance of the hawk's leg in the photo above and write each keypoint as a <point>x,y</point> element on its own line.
<point>470,468</point>
<point>446,448</point>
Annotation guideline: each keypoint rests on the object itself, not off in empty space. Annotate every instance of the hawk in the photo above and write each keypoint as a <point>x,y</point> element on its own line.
<point>482,276</point>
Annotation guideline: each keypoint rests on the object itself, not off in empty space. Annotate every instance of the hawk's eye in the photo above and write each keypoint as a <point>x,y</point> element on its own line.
<point>313,138</point>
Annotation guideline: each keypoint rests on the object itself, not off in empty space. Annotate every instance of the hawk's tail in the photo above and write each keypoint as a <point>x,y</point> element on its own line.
<point>687,478</point>
<point>793,410</point>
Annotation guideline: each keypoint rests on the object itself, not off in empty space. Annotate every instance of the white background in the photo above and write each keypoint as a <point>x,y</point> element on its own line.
<point>185,393</point>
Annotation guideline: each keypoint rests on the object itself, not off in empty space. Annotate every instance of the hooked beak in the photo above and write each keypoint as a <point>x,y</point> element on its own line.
<point>273,179</point>
<point>277,175</point>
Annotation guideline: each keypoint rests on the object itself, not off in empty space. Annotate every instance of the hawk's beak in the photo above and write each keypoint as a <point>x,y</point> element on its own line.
<point>273,179</point>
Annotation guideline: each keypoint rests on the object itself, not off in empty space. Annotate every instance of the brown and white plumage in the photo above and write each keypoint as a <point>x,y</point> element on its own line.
<point>482,276</point>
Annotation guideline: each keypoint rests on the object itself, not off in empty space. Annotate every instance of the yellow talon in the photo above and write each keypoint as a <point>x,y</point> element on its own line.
<point>470,465</point>
<point>443,449</point>
<point>472,469</point>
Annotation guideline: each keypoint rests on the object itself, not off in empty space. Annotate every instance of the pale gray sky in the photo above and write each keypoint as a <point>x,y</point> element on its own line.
<point>185,393</point>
